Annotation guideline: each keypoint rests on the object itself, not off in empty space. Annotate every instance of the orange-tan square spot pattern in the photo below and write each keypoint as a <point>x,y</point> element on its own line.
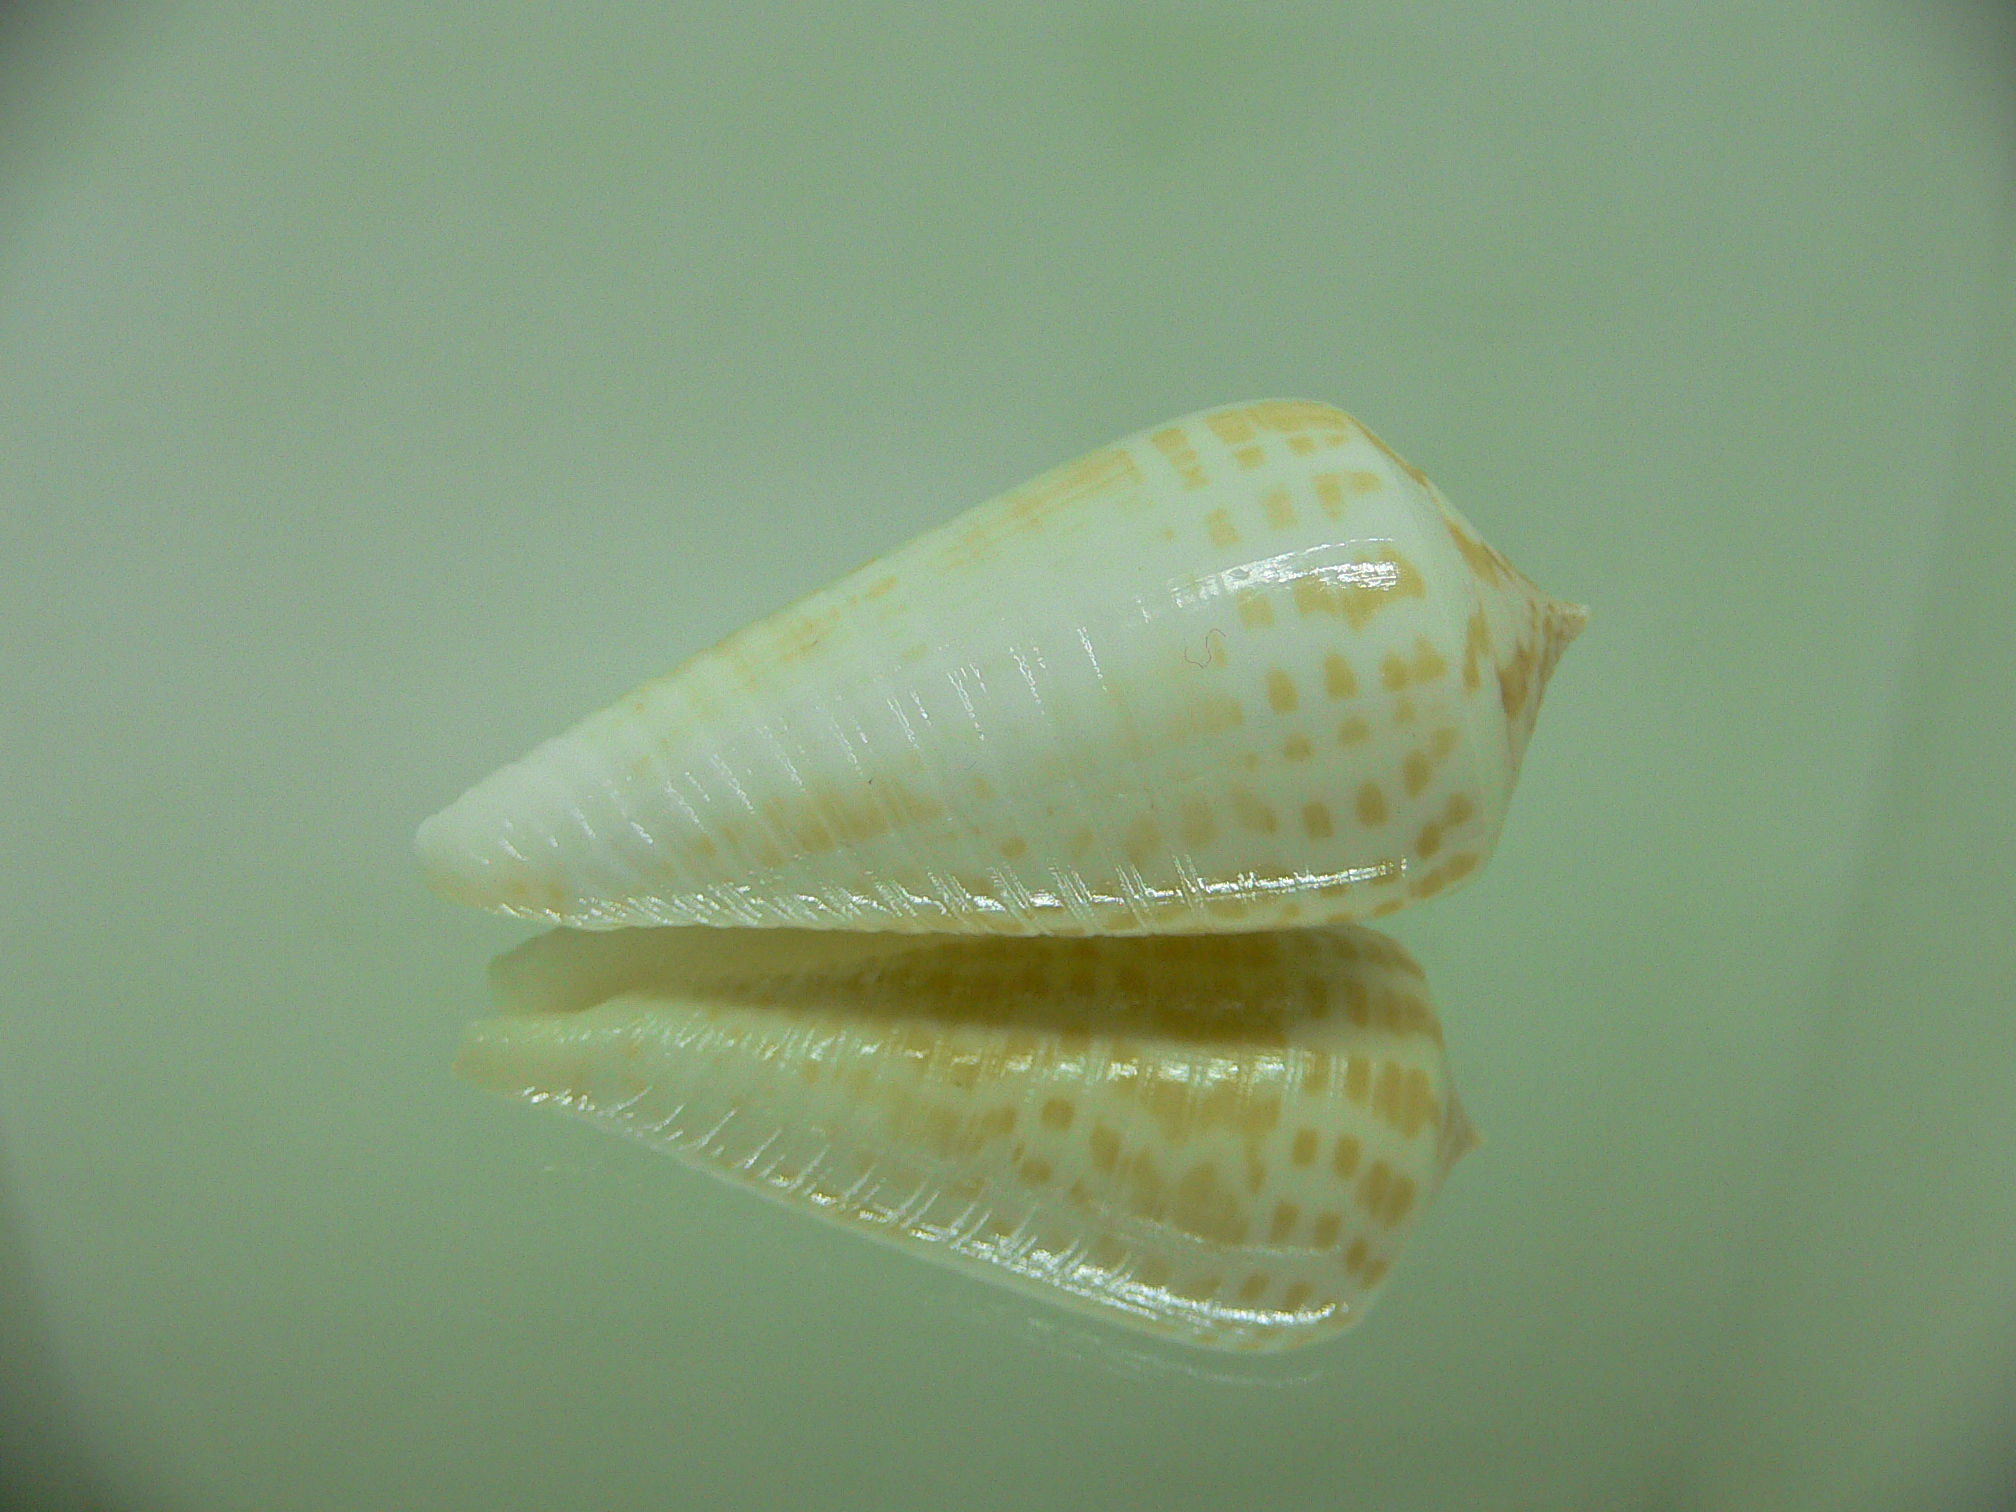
<point>1222,1139</point>
<point>1240,670</point>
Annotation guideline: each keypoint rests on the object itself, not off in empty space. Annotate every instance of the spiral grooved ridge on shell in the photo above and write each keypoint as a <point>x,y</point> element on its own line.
<point>1242,671</point>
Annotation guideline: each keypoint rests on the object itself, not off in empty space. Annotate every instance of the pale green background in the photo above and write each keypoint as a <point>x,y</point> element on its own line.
<point>384,385</point>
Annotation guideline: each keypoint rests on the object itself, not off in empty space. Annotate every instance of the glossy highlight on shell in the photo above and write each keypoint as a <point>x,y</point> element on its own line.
<point>1225,1139</point>
<point>1242,671</point>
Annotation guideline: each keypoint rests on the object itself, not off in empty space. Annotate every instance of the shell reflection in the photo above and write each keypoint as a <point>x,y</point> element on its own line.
<point>1222,1138</point>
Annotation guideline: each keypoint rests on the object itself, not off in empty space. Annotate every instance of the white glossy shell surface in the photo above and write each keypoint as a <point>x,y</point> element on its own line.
<point>1240,671</point>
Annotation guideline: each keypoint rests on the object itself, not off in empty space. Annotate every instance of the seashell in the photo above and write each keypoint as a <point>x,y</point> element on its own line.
<point>1244,670</point>
<point>1226,1139</point>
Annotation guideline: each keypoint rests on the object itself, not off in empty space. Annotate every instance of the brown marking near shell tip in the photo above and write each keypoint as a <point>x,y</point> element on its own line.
<point>1174,445</point>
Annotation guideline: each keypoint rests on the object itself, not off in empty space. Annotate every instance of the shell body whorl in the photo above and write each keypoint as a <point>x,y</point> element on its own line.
<point>1237,672</point>
<point>1224,1139</point>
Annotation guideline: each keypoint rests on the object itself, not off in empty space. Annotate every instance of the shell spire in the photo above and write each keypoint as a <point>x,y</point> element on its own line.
<point>1524,631</point>
<point>1244,670</point>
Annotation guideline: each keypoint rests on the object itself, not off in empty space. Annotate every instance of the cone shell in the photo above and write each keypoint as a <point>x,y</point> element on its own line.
<point>1241,671</point>
<point>1223,1139</point>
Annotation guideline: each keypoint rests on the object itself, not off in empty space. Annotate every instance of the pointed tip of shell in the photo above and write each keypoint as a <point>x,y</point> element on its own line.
<point>1570,620</point>
<point>1523,677</point>
<point>496,847</point>
<point>1560,624</point>
<point>1462,1135</point>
